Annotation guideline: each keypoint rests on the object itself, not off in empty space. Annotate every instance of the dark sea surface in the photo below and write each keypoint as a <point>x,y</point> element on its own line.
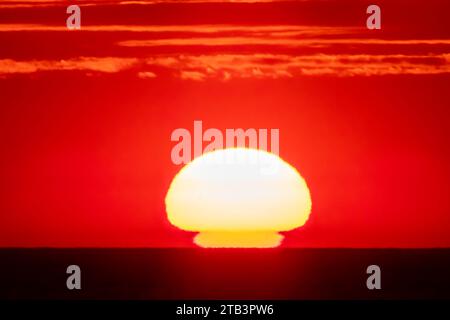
<point>225,274</point>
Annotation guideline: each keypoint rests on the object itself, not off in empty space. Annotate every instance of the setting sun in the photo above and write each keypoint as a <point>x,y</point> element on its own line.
<point>238,197</point>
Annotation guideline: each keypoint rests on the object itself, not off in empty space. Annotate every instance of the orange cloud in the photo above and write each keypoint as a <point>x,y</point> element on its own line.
<point>192,75</point>
<point>261,31</point>
<point>228,66</point>
<point>52,3</point>
<point>104,65</point>
<point>285,42</point>
<point>231,66</point>
<point>146,75</point>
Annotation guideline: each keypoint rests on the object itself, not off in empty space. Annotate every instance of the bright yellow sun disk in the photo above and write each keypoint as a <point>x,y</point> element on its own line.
<point>238,198</point>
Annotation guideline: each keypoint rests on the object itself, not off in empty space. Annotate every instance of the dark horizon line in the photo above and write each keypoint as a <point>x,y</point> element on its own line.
<point>213,249</point>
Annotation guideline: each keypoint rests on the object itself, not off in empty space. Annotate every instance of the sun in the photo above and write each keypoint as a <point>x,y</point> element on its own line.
<point>238,197</point>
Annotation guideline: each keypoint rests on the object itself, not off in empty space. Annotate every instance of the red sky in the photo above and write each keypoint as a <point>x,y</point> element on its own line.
<point>86,116</point>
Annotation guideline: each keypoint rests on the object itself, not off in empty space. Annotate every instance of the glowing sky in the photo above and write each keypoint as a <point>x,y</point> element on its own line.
<point>86,116</point>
